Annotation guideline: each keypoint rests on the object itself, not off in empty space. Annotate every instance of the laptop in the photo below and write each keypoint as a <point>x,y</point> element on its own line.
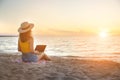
<point>40,48</point>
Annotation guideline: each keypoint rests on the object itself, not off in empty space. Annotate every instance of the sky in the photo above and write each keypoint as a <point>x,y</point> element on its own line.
<point>61,17</point>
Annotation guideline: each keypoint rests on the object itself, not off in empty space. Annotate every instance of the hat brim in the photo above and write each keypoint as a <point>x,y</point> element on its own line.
<point>26,30</point>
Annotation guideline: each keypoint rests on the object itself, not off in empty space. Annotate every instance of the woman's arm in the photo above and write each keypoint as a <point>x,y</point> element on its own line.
<point>31,45</point>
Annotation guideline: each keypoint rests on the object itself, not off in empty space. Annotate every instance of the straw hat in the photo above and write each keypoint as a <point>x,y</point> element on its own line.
<point>25,27</point>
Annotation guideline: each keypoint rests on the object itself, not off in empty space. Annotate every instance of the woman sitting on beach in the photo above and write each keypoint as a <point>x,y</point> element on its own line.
<point>25,44</point>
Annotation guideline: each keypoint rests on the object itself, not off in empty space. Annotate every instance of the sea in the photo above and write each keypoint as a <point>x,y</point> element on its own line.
<point>82,46</point>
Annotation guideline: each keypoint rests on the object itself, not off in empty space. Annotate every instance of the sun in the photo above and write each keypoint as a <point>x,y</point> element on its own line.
<point>103,34</point>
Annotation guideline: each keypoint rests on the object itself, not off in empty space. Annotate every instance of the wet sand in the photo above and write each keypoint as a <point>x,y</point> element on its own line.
<point>60,68</point>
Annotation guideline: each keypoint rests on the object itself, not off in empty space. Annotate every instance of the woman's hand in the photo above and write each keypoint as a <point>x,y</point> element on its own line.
<point>37,52</point>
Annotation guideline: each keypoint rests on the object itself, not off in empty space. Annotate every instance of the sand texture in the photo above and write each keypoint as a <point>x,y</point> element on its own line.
<point>60,68</point>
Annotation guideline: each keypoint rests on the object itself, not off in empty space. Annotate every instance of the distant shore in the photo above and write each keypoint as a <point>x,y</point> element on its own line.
<point>60,68</point>
<point>8,35</point>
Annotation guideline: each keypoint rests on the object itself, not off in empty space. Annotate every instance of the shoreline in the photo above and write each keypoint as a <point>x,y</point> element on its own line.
<point>114,58</point>
<point>60,68</point>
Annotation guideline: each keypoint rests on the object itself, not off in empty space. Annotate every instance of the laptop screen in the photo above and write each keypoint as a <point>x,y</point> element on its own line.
<point>40,48</point>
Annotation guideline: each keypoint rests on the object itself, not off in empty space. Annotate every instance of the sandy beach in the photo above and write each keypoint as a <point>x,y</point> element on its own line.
<point>60,68</point>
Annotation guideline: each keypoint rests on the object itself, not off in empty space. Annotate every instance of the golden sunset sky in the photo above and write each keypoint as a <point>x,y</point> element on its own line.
<point>61,17</point>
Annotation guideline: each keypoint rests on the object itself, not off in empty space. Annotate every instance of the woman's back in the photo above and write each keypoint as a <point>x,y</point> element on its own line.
<point>25,46</point>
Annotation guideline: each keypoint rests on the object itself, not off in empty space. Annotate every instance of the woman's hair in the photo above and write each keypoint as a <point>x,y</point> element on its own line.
<point>25,36</point>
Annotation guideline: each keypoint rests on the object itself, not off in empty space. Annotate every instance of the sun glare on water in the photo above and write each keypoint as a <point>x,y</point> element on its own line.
<point>103,34</point>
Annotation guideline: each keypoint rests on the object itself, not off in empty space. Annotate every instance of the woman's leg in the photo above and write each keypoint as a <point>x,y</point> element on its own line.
<point>43,56</point>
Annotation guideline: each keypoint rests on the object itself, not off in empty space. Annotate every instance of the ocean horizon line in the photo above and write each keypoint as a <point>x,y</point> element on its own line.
<point>8,35</point>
